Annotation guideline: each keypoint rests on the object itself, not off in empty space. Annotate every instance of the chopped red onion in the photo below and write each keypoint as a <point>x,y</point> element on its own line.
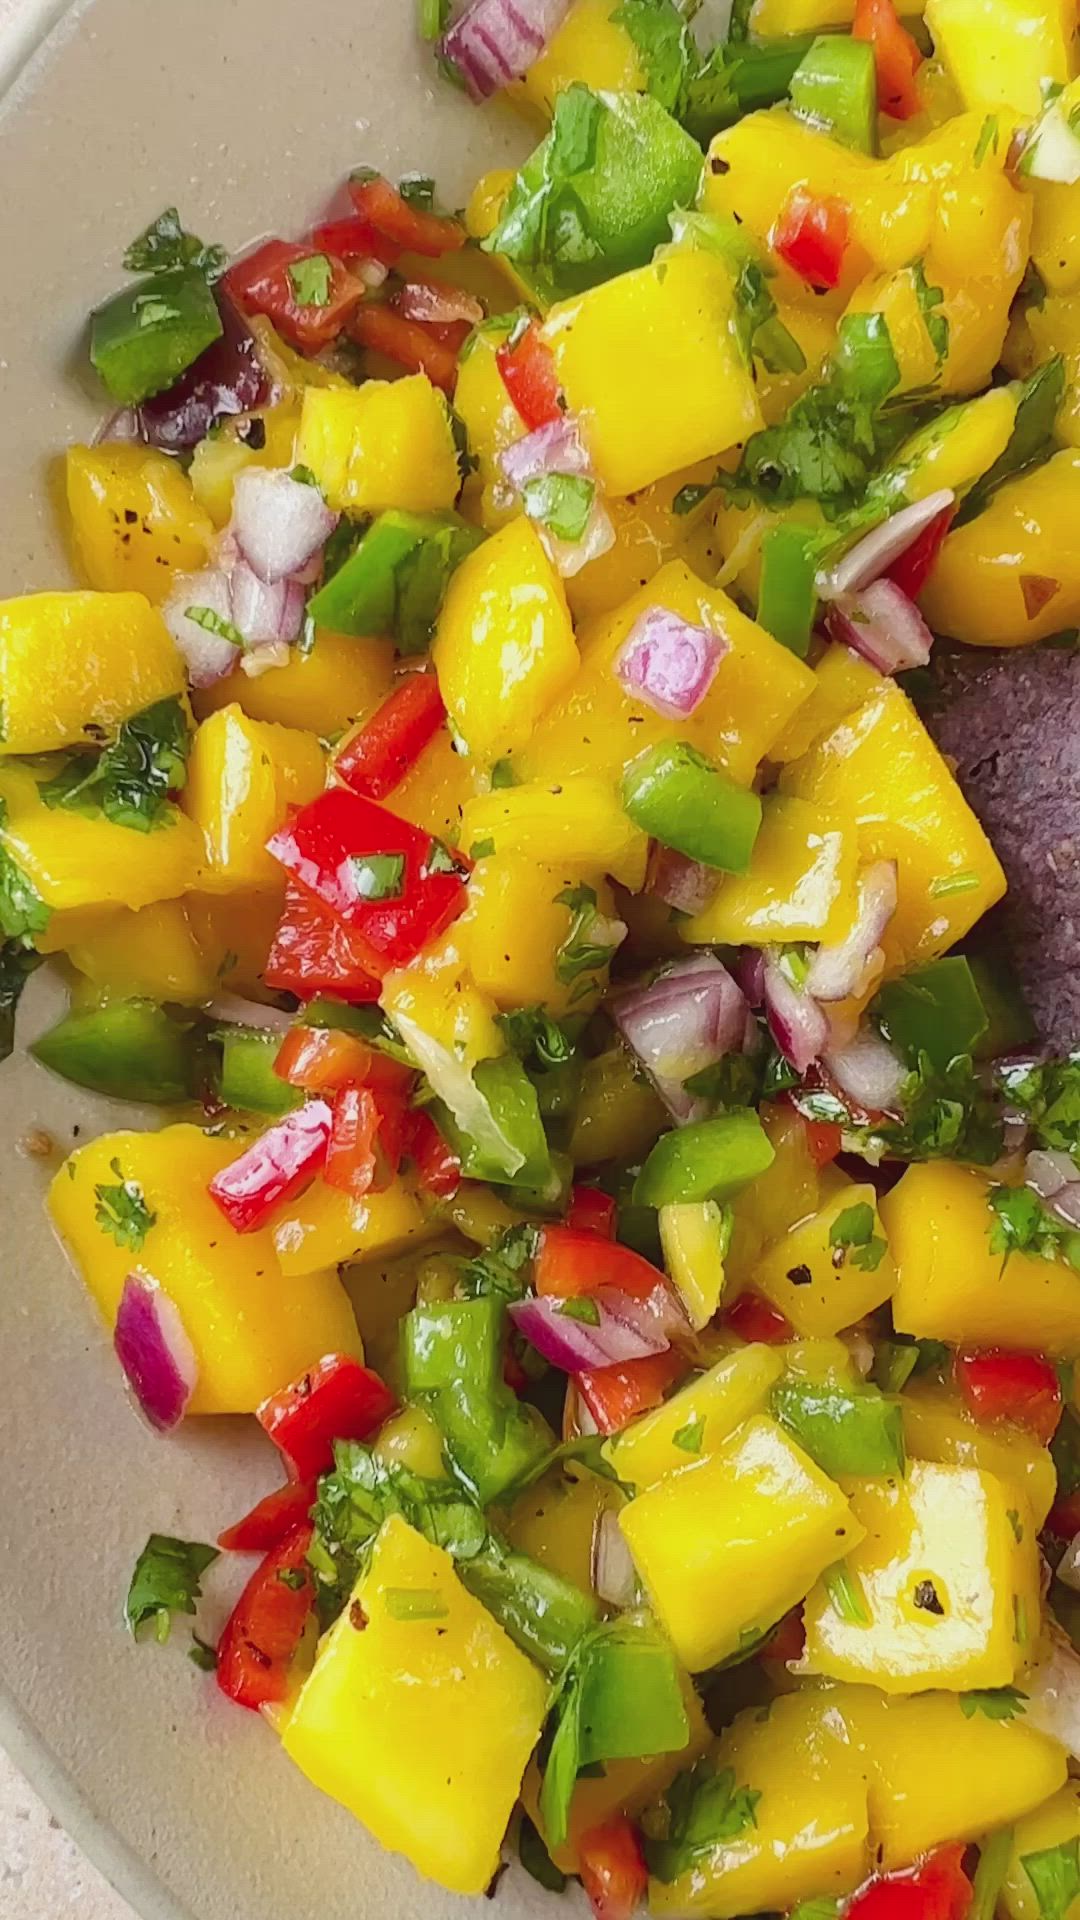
<point>438,304</point>
<point>576,1346</point>
<point>796,1022</point>
<point>209,656</point>
<point>1055,1177</point>
<point>877,552</point>
<point>868,1072</point>
<point>264,611</point>
<point>668,663</point>
<point>843,968</point>
<point>614,1575</point>
<point>496,41</point>
<point>554,448</point>
<point>681,883</point>
<point>685,1020</point>
<point>279,524</point>
<point>154,1351</point>
<point>228,378</point>
<point>749,973</point>
<point>882,626</point>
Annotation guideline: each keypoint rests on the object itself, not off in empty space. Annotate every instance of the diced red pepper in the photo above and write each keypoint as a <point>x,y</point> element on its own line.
<point>896,57</point>
<point>1064,1517</point>
<point>1020,1387</point>
<point>824,1139</point>
<point>350,1157</point>
<point>381,754</point>
<point>339,1399</point>
<point>438,1167</point>
<point>354,239</point>
<point>529,376</point>
<point>274,1168</point>
<point>267,1624</point>
<point>787,1641</point>
<point>410,228</point>
<point>612,1868</point>
<point>592,1210</point>
<point>261,283</point>
<point>321,1058</point>
<point>274,1516</point>
<point>348,851</point>
<point>576,1260</point>
<point>913,569</point>
<point>409,342</point>
<point>811,236</point>
<point>937,1889</point>
<point>616,1395</point>
<point>314,953</point>
<point>753,1317</point>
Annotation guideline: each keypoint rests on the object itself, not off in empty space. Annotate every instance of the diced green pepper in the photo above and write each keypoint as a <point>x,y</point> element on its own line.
<point>1009,1022</point>
<point>395,580</point>
<point>453,1359</point>
<point>130,1050</point>
<point>936,1010</point>
<point>674,793</point>
<point>760,76</point>
<point>710,1160</point>
<point>247,1080</point>
<point>846,1430</point>
<point>145,337</point>
<point>787,596</point>
<point>835,87</point>
<point>543,1613</point>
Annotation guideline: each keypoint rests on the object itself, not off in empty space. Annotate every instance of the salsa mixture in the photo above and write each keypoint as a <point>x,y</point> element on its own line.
<point>563,786</point>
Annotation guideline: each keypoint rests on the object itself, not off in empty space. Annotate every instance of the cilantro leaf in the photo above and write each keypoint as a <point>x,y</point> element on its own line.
<point>1054,1873</point>
<point>946,1115</point>
<point>846,1595</point>
<point>561,502</point>
<point>165,244</point>
<point>852,1233</point>
<point>166,1580</point>
<point>22,910</point>
<point>130,781</point>
<point>17,963</point>
<point>996,1703</point>
<point>580,1307</point>
<point>761,333</point>
<point>122,1212</point>
<point>503,1270</point>
<point>705,1809</point>
<point>1032,438</point>
<point>362,1492</point>
<point>930,302</point>
<point>1048,1095</point>
<point>987,142</point>
<point>666,48</point>
<point>1022,1224</point>
<point>311,280</point>
<point>536,1038</point>
<point>690,1437</point>
<point>589,944</point>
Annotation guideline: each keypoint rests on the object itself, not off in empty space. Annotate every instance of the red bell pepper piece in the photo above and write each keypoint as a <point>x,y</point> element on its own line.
<point>314,953</point>
<point>262,283</point>
<point>354,239</point>
<point>824,1139</point>
<point>339,1399</point>
<point>612,1868</point>
<point>787,1640</point>
<point>319,1059</point>
<point>896,57</point>
<point>381,754</point>
<point>937,1889</point>
<point>391,884</point>
<point>753,1317</point>
<point>438,1167</point>
<point>576,1260</point>
<point>1020,1387</point>
<point>811,236</point>
<point>274,1516</point>
<point>592,1210</point>
<point>267,1623</point>
<point>913,569</point>
<point>274,1168</point>
<point>616,1395</point>
<point>529,376</point>
<point>410,228</point>
<point>350,1157</point>
<point>410,342</point>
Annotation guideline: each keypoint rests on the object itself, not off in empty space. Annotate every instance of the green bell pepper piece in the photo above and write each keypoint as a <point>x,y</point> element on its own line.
<point>130,1050</point>
<point>395,580</point>
<point>787,596</point>
<point>835,87</point>
<point>710,1160</point>
<point>146,336</point>
<point>1009,1023</point>
<point>544,1614</point>
<point>247,1080</point>
<point>846,1430</point>
<point>683,801</point>
<point>453,1360</point>
<point>936,1010</point>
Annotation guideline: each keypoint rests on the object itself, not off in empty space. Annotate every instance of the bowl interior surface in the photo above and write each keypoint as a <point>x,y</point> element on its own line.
<point>244,113</point>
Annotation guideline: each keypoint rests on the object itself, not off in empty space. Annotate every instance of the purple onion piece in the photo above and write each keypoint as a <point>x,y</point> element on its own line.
<point>796,1022</point>
<point>669,664</point>
<point>228,378</point>
<point>879,550</point>
<point>154,1351</point>
<point>576,1346</point>
<point>881,625</point>
<point>496,41</point>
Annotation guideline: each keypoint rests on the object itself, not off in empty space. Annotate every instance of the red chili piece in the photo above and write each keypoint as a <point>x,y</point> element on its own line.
<point>271,1519</point>
<point>339,1399</point>
<point>262,283</point>
<point>266,1626</point>
<point>274,1168</point>
<point>314,953</point>
<point>377,758</point>
<point>811,236</point>
<point>1021,1387</point>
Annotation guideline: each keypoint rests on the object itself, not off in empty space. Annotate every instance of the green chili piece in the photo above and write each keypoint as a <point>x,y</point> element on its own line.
<point>711,1160</point>
<point>146,336</point>
<point>683,801</point>
<point>835,87</point>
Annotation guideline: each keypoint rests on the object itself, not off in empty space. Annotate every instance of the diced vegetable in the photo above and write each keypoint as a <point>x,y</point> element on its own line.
<point>835,87</point>
<point>453,1364</point>
<point>846,1431</point>
<point>145,336</point>
<point>682,801</point>
<point>380,447</point>
<point>248,1079</point>
<point>710,1160</point>
<point>692,1424</point>
<point>336,1400</point>
<point>264,1630</point>
<point>395,581</point>
<point>130,1050</point>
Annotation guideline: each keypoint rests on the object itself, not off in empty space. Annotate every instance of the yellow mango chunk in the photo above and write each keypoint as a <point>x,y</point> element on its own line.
<point>77,861</point>
<point>326,1226</point>
<point>340,682</point>
<point>235,932</point>
<point>382,445</point>
<point>950,1596</point>
<point>555,1521</point>
<point>420,1722</point>
<point>218,461</point>
<point>950,1285</point>
<point>1012,575</point>
<point>999,52</point>
<point>651,363</point>
<point>152,954</point>
<point>800,884</point>
<point>800,1274</point>
<point>251,1330</point>
<point>504,646</point>
<point>513,929</point>
<point>841,683</point>
<point>880,770</point>
<point>597,728</point>
<point>1055,234</point>
<point>1054,1824</point>
<point>243,775</point>
<point>73,663</point>
<point>694,1236</point>
<point>492,423</point>
<point>648,533</point>
<point>710,1406</point>
<point>134,518</point>
<point>435,789</point>
<point>437,994</point>
<point>590,47</point>
<point>729,1544</point>
<point>775,18</point>
<point>1036,336</point>
<point>809,1834</point>
<point>937,1426</point>
<point>576,822</point>
<point>788,1191</point>
<point>958,448</point>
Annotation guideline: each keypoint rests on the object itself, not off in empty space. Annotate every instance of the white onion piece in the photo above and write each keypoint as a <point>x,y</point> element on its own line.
<point>668,663</point>
<point>234,1011</point>
<point>842,968</point>
<point>154,1351</point>
<point>554,448</point>
<point>122,426</point>
<point>684,1021</point>
<point>1068,1567</point>
<point>371,272</point>
<point>877,552</point>
<point>438,305</point>
<point>882,626</point>
<point>868,1072</point>
<point>209,656</point>
<point>258,606</point>
<point>278,522</point>
<point>796,1022</point>
<point>496,41</point>
<point>1052,1687</point>
<point>614,1575</point>
<point>684,884</point>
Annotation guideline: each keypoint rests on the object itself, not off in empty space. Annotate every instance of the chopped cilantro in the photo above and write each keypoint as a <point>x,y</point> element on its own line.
<point>1032,437</point>
<point>689,1437</point>
<point>130,781</point>
<point>846,1595</point>
<point>735,1080</point>
<point>580,953</point>
<point>165,244</point>
<point>987,142</point>
<point>22,910</point>
<point>580,1307</point>
<point>362,1492</point>
<point>213,622</point>
<point>665,46</point>
<point>378,876</point>
<point>930,302</point>
<point>852,1235</point>
<point>561,502</point>
<point>761,333</point>
<point>503,1269</point>
<point>122,1212</point>
<point>704,1810</point>
<point>996,1703</point>
<point>1054,1873</point>
<point>166,1580</point>
<point>441,860</point>
<point>202,1655</point>
<point>1048,1096</point>
<point>311,280</point>
<point>536,1038</point>
<point>1022,1224</point>
<point>482,849</point>
<point>418,190</point>
<point>303,476</point>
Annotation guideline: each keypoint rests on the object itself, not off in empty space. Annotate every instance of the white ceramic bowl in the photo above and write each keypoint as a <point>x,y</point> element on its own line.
<point>244,113</point>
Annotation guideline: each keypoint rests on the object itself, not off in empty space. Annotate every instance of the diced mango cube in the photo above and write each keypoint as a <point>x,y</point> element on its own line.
<point>340,682</point>
<point>937,1426</point>
<point>513,929</point>
<point>800,884</point>
<point>135,519</point>
<point>695,1420</point>
<point>326,1227</point>
<point>152,954</point>
<point>999,52</point>
<point>72,664</point>
<point>1055,1824</point>
<point>83,860</point>
<point>576,822</point>
<point>820,1283</point>
<point>592,47</point>
<point>382,445</point>
<point>243,775</point>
